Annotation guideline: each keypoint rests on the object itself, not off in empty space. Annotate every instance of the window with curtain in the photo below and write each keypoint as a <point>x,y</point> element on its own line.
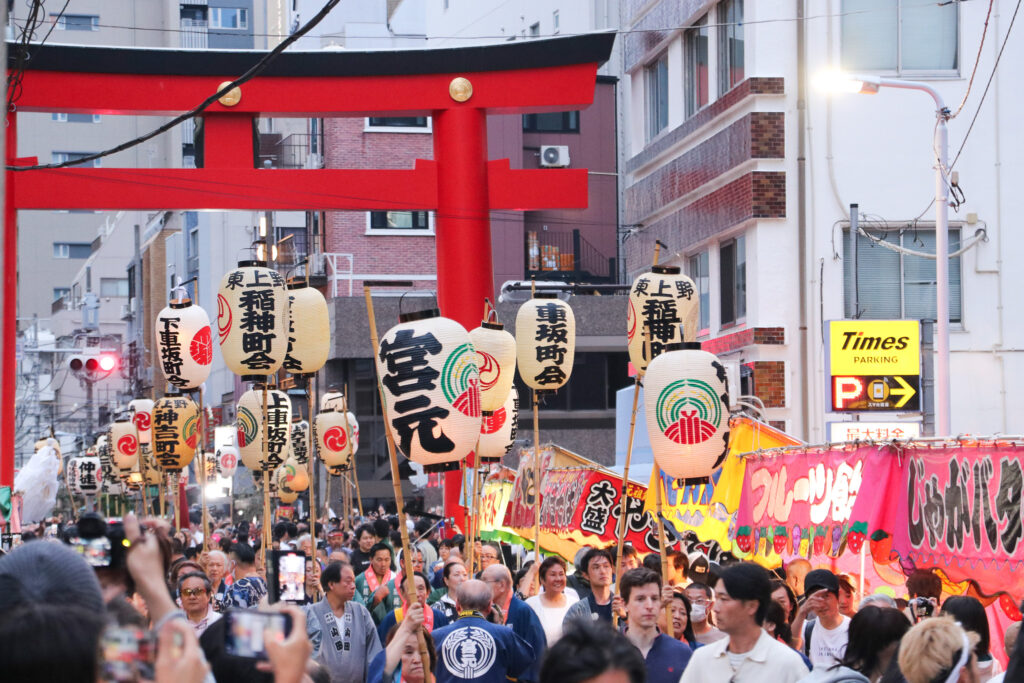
<point>730,44</point>
<point>899,35</point>
<point>656,83</point>
<point>887,284</point>
<point>399,220</point>
<point>695,56</point>
<point>698,272</point>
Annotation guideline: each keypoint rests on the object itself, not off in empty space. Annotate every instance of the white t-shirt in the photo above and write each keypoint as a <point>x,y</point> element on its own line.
<point>828,646</point>
<point>551,617</point>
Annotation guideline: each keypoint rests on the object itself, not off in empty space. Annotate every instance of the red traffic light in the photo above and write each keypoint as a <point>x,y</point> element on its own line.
<point>94,367</point>
<point>107,362</point>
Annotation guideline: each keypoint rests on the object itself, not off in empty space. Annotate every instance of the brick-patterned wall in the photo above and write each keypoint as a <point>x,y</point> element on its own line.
<point>758,194</point>
<point>758,135</point>
<point>770,382</point>
<point>774,336</point>
<point>347,145</point>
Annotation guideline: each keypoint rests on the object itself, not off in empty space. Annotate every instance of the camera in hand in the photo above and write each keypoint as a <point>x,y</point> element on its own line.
<point>247,631</point>
<point>921,608</point>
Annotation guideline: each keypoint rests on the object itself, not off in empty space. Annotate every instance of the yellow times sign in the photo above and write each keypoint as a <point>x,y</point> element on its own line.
<point>875,347</point>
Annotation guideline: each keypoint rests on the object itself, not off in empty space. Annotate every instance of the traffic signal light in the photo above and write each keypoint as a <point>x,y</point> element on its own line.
<point>94,366</point>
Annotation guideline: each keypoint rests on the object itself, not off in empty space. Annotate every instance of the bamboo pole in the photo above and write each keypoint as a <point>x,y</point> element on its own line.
<point>661,547</point>
<point>311,457</point>
<point>536,489</point>
<point>175,478</point>
<point>474,519</point>
<point>410,584</point>
<point>163,495</point>
<point>202,475</point>
<point>267,539</point>
<point>355,468</point>
<point>621,530</point>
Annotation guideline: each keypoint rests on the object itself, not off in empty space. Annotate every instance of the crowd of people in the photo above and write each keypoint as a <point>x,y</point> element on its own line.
<point>135,600</point>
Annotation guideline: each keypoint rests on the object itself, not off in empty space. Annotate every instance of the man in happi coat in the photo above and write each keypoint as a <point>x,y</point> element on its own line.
<point>375,588</point>
<point>341,630</point>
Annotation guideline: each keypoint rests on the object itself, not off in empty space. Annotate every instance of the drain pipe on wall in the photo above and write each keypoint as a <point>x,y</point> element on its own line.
<point>801,212</point>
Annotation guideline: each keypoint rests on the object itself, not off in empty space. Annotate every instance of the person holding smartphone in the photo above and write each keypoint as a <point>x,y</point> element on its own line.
<point>342,631</point>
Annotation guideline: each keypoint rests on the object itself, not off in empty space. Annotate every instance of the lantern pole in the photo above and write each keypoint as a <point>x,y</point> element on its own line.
<point>355,468</point>
<point>311,458</point>
<point>175,478</point>
<point>163,495</point>
<point>410,584</point>
<point>202,468</point>
<point>536,488</point>
<point>661,546</point>
<point>267,540</point>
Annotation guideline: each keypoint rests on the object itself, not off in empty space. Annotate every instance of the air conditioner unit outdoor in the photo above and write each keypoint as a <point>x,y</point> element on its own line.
<point>554,156</point>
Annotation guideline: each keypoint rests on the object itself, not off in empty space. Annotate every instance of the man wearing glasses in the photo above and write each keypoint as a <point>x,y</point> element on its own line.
<point>489,554</point>
<point>747,654</point>
<point>194,589</point>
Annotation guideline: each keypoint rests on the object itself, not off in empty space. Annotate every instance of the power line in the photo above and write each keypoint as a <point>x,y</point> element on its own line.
<point>254,71</point>
<point>977,61</point>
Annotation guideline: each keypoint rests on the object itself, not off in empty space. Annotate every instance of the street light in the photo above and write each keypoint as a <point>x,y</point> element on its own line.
<point>835,81</point>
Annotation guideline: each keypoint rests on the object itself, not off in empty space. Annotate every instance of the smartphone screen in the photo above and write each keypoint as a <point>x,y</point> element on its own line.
<point>290,576</point>
<point>128,653</point>
<point>96,551</point>
<point>246,631</point>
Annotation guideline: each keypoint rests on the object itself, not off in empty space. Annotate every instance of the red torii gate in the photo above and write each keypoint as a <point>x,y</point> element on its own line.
<point>458,87</point>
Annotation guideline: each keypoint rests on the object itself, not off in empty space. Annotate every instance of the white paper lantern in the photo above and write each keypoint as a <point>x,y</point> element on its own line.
<point>427,365</point>
<point>252,320</point>
<point>124,445</point>
<point>496,360</point>
<point>333,438</point>
<point>545,342</point>
<point>309,333</point>
<point>687,409</point>
<point>148,466</point>
<point>109,481</point>
<point>662,302</point>
<point>300,441</point>
<point>175,432</point>
<point>142,415</point>
<point>85,475</point>
<point>353,432</point>
<point>184,344</point>
<point>292,477</point>
<point>227,461</point>
<point>498,431</point>
<point>332,400</point>
<point>251,431</point>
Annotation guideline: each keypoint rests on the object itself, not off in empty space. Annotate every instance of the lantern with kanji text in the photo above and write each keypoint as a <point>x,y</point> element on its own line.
<point>431,385</point>
<point>498,431</point>
<point>85,475</point>
<point>142,415</point>
<point>300,441</point>
<point>227,461</point>
<point>184,343</point>
<point>663,306</point>
<point>251,430</point>
<point>496,360</point>
<point>545,342</point>
<point>148,465</point>
<point>687,407</point>
<point>175,432</point>
<point>252,320</point>
<point>309,333</point>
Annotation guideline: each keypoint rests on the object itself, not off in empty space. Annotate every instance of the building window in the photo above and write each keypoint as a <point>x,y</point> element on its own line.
<point>535,30</point>
<point>76,22</point>
<point>554,122</point>
<point>899,35</point>
<point>62,157</point>
<point>886,284</point>
<point>406,122</point>
<point>554,20</point>
<point>60,293</point>
<point>656,83</point>
<point>699,274</point>
<point>229,17</point>
<point>730,44</point>
<point>71,250</point>
<point>65,117</point>
<point>695,55</point>
<point>732,279</point>
<point>400,220</point>
<point>113,286</point>
<point>446,4</point>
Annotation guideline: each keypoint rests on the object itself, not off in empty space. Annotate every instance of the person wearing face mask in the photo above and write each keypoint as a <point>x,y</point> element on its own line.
<point>701,602</point>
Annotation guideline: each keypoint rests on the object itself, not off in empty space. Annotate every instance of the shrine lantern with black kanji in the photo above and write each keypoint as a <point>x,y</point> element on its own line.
<point>175,432</point>
<point>142,415</point>
<point>545,342</point>
<point>687,407</point>
<point>431,385</point>
<point>332,433</point>
<point>496,360</point>
<point>148,466</point>
<point>300,441</point>
<point>184,344</point>
<point>227,461</point>
<point>85,475</point>
<point>124,445</point>
<point>662,305</point>
<point>309,329</point>
<point>498,430</point>
<point>251,430</point>
<point>252,320</point>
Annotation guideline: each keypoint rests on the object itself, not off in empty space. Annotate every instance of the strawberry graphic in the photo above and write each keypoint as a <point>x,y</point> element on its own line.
<point>855,538</point>
<point>1009,608</point>
<point>819,540</point>
<point>744,539</point>
<point>780,539</point>
<point>881,547</point>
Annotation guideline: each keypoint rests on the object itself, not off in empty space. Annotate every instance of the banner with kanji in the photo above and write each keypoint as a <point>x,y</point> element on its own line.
<point>495,495</point>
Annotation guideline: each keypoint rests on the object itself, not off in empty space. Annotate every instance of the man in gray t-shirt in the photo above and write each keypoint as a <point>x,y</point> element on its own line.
<point>342,631</point>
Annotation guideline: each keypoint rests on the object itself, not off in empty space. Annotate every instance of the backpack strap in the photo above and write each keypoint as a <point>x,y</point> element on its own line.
<point>808,630</point>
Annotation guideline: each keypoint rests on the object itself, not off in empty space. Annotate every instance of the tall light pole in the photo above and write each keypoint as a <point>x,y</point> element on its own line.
<point>940,149</point>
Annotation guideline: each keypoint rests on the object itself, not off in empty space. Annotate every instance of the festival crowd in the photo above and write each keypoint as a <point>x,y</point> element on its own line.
<point>125,600</point>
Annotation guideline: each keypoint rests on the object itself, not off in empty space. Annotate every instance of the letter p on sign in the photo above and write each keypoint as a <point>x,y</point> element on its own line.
<point>844,390</point>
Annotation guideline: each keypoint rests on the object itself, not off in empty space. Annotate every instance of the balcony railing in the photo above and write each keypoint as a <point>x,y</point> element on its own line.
<point>296,150</point>
<point>566,256</point>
